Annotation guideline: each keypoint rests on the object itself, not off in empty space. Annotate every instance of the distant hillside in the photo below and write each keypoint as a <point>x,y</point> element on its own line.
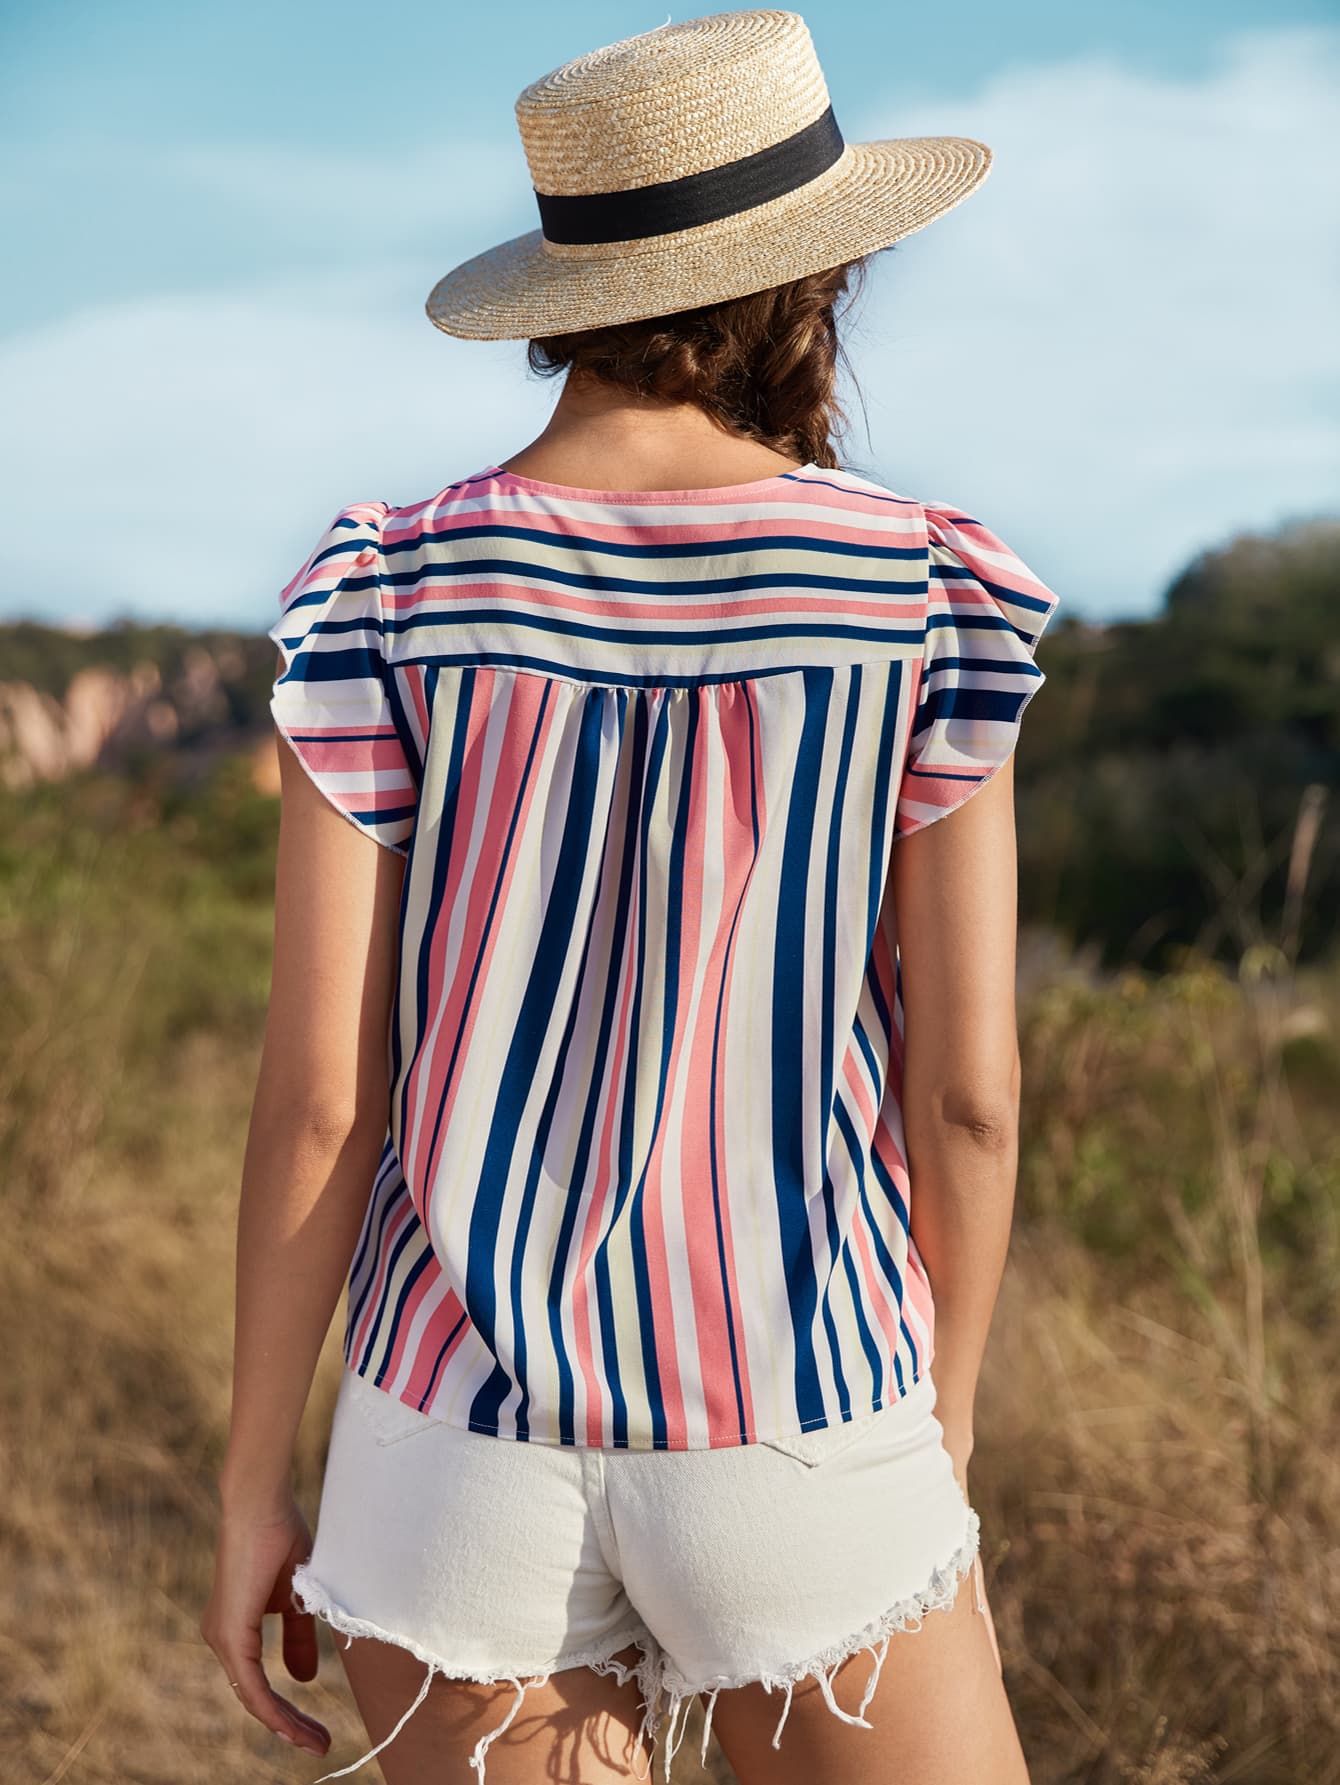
<point>1179,777</point>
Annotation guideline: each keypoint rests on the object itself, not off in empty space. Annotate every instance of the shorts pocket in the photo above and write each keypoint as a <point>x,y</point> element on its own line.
<point>389,1419</point>
<point>907,1421</point>
<point>825,1442</point>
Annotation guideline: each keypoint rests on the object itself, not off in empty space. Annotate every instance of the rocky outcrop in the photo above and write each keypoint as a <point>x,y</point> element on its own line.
<point>106,713</point>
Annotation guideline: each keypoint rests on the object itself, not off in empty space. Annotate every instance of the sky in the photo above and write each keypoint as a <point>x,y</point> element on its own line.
<point>1119,352</point>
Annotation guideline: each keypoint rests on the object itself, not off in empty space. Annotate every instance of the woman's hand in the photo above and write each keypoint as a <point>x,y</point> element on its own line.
<point>253,1570</point>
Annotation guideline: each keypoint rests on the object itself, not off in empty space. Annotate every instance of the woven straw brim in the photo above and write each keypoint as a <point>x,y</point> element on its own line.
<point>874,194</point>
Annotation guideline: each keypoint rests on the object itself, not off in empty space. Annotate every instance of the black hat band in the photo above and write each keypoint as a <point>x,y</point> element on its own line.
<point>704,197</point>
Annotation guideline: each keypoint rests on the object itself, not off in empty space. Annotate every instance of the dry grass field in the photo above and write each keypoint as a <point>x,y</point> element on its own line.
<point>1158,1465</point>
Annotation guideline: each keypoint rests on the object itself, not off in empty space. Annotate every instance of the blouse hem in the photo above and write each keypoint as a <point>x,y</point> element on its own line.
<point>492,1430</point>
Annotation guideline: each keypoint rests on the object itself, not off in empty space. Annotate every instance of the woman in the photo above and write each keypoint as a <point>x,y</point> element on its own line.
<point>626,988</point>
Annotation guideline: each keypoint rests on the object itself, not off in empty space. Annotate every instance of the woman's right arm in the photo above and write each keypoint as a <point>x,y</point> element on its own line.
<point>955,898</point>
<point>317,1131</point>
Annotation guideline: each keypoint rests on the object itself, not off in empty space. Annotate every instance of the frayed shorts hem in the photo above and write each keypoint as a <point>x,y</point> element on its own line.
<point>658,1680</point>
<point>311,1596</point>
<point>906,1615</point>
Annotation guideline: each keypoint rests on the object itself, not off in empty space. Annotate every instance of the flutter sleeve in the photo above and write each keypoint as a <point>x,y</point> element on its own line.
<point>986,611</point>
<point>332,699</point>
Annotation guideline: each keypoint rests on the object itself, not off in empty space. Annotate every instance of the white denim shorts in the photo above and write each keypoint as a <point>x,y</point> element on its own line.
<point>492,1559</point>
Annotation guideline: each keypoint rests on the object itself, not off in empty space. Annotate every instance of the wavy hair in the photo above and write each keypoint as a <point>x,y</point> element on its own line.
<point>763,366</point>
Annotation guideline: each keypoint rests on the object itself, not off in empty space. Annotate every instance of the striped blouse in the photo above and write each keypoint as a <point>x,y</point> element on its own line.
<point>646,756</point>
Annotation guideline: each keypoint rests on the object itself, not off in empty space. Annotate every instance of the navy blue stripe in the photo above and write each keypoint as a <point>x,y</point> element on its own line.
<point>916,774</point>
<point>997,706</point>
<point>788,1029</point>
<point>326,665</point>
<point>594,582</point>
<point>1003,666</point>
<point>639,637</point>
<point>353,663</point>
<point>568,544</point>
<point>384,819</point>
<point>336,737</point>
<point>399,707</point>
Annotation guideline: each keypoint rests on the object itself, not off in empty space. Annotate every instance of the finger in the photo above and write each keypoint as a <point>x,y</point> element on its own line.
<point>283,1719</point>
<point>300,1650</point>
<point>317,1731</point>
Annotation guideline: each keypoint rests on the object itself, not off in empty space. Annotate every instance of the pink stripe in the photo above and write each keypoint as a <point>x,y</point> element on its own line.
<point>486,504</point>
<point>431,595</point>
<point>917,1294</point>
<point>444,1319</point>
<point>426,1284</point>
<point>810,531</point>
<point>376,799</point>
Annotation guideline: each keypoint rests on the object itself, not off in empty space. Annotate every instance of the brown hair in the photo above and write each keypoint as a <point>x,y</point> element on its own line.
<point>763,366</point>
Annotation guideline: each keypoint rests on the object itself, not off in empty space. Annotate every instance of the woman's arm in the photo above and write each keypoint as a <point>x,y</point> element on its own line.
<point>955,899</point>
<point>318,1125</point>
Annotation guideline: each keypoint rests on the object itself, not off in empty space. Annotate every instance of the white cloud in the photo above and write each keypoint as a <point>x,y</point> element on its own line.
<point>179,457</point>
<point>1117,351</point>
<point>1123,344</point>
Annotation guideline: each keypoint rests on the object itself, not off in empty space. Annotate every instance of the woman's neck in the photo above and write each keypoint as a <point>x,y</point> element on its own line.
<point>599,437</point>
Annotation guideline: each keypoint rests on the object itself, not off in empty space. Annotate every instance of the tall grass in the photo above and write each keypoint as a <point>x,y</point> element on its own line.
<point>1157,1468</point>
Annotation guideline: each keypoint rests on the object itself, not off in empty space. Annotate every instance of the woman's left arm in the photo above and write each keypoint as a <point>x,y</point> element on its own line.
<point>318,1126</point>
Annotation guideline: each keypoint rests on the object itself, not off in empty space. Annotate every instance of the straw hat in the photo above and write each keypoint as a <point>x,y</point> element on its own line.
<point>690,164</point>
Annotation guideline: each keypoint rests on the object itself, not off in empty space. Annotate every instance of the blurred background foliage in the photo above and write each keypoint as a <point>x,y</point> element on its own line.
<point>1166,770</point>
